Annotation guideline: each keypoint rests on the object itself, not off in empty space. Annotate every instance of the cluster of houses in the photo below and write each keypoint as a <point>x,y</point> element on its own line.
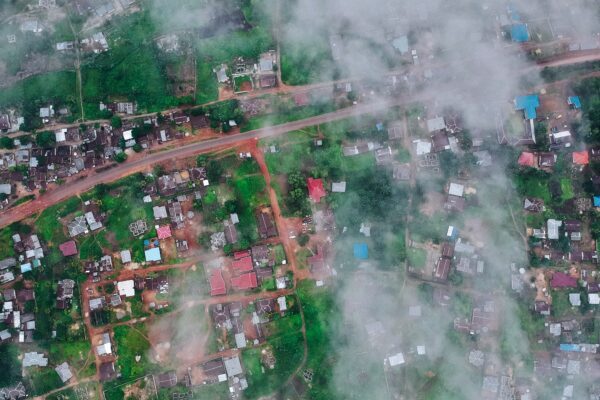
<point>248,269</point>
<point>16,314</point>
<point>28,167</point>
<point>29,255</point>
<point>244,76</point>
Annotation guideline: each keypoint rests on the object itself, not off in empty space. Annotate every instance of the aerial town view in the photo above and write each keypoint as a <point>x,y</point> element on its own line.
<point>300,199</point>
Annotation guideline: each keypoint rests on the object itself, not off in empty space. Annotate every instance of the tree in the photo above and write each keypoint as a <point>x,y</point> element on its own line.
<point>303,240</point>
<point>121,157</point>
<point>137,147</point>
<point>10,366</point>
<point>296,180</point>
<point>116,122</point>
<point>7,143</point>
<point>45,139</point>
<point>214,171</point>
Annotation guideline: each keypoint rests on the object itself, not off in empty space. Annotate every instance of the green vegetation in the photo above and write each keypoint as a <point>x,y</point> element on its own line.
<point>10,365</point>
<point>131,342</point>
<point>44,380</point>
<point>589,92</point>
<point>416,257</point>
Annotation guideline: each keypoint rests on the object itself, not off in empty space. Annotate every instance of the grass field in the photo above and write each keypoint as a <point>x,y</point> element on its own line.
<point>416,257</point>
<point>131,342</point>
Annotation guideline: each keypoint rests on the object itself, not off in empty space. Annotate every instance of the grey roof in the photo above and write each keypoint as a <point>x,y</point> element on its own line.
<point>8,262</point>
<point>64,372</point>
<point>233,366</point>
<point>436,124</point>
<point>34,359</point>
<point>160,212</point>
<point>240,340</point>
<point>6,188</point>
<point>77,226</point>
<point>96,303</point>
<point>5,335</point>
<point>125,256</point>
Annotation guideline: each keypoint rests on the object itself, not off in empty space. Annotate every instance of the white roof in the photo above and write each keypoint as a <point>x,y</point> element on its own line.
<point>456,189</point>
<point>282,303</point>
<point>60,135</point>
<point>423,147</point>
<point>126,288</point>
<point>240,340</point>
<point>397,359</point>
<point>128,134</point>
<point>153,254</point>
<point>147,199</point>
<point>104,349</point>
<point>435,124</point>
<point>338,187</point>
<point>235,219</point>
<point>561,134</point>
<point>575,299</point>
<point>594,298</point>
<point>421,350</point>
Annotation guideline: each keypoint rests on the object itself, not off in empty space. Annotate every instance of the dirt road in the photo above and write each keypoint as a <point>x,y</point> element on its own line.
<point>60,193</point>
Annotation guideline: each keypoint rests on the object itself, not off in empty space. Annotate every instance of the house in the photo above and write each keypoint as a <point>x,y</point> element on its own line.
<point>528,104</point>
<point>338,187</point>
<point>68,248</point>
<point>527,159</point>
<point>261,255</point>
<point>163,232</point>
<point>315,189</point>
<point>519,33</point>
<point>126,288</point>
<point>34,359</point>
<point>547,160</point>
<point>436,124</point>
<point>8,263</point>
<point>217,283</point>
<point>574,102</point>
<point>581,157</point>
<point>573,229</point>
<point>64,372</point>
<point>533,205</point>
<point>245,281</point>
<point>231,234</point>
<point>454,203</point>
<point>266,226</point>
<point>125,256</point>
<point>153,254</point>
<point>105,346</point>
<point>166,380</point>
<point>440,141</point>
<point>361,251</point>
<point>401,171</point>
<point>77,227</point>
<point>243,264</point>
<point>553,229</point>
<point>64,294</point>
<point>561,138</point>
<point>233,366</point>
<point>575,299</point>
<point>561,280</point>
<point>442,268</point>
<point>107,371</point>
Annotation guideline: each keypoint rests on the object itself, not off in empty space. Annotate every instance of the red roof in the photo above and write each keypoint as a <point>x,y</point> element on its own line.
<point>245,281</point>
<point>217,283</point>
<point>241,254</point>
<point>68,248</point>
<point>527,159</point>
<point>581,157</point>
<point>315,189</point>
<point>243,264</point>
<point>164,232</point>
<point>562,280</point>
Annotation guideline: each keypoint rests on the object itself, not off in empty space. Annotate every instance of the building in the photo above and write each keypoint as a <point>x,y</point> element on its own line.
<point>153,255</point>
<point>361,251</point>
<point>64,372</point>
<point>34,359</point>
<point>68,248</point>
<point>125,256</point>
<point>126,288</point>
<point>245,281</point>
<point>553,229</point>
<point>217,283</point>
<point>315,189</point>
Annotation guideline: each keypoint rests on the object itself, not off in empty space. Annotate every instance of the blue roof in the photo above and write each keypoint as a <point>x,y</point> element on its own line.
<point>596,201</point>
<point>379,126</point>
<point>527,104</point>
<point>361,251</point>
<point>153,254</point>
<point>569,347</point>
<point>519,33</point>
<point>575,101</point>
<point>25,268</point>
